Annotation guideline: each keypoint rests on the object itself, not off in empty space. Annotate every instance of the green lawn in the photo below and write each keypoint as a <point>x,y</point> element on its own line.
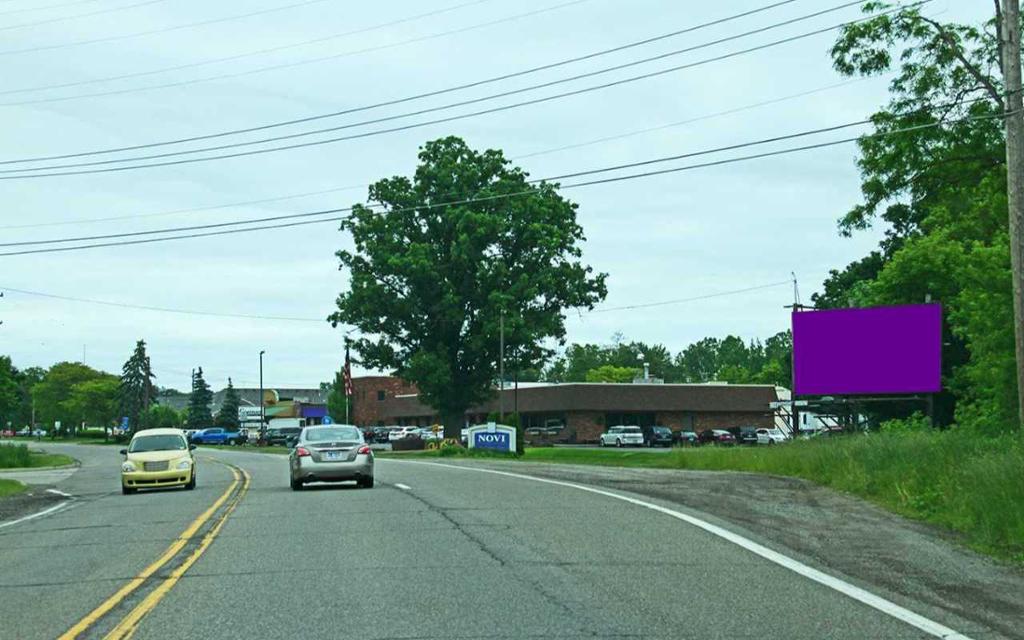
<point>19,456</point>
<point>10,487</point>
<point>970,484</point>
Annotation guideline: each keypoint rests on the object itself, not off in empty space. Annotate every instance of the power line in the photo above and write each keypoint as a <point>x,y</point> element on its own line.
<point>49,6</point>
<point>138,34</point>
<point>273,50</point>
<point>218,314</point>
<point>403,127</point>
<point>513,194</point>
<point>648,305</point>
<point>125,305</point>
<point>397,101</point>
<point>518,157</point>
<point>692,154</point>
<point>79,15</point>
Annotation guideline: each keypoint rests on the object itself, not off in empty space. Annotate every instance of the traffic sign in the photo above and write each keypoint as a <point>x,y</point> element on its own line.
<point>497,437</point>
<point>327,420</point>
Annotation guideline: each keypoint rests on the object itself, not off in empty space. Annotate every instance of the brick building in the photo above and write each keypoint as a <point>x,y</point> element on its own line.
<point>581,410</point>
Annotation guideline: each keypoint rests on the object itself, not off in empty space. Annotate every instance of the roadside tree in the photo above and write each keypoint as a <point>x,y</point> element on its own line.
<point>199,415</point>
<point>136,391</point>
<point>227,417</point>
<point>466,244</point>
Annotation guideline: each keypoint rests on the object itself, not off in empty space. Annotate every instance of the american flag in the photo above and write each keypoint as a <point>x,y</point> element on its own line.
<point>347,373</point>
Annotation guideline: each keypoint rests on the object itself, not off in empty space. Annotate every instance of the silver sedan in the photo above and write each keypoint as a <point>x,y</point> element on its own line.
<point>331,454</point>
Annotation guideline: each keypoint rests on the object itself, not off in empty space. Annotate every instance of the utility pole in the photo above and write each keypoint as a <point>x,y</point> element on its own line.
<point>501,367</point>
<point>1009,28</point>
<point>263,415</point>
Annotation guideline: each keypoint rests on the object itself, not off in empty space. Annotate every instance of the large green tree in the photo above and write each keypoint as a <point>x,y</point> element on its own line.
<point>54,390</point>
<point>94,402</point>
<point>337,401</point>
<point>136,391</point>
<point>10,398</point>
<point>199,414</point>
<point>449,253</point>
<point>940,194</point>
<point>227,417</point>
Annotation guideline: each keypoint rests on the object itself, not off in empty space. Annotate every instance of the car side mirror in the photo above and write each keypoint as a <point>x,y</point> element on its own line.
<point>191,447</point>
<point>124,452</point>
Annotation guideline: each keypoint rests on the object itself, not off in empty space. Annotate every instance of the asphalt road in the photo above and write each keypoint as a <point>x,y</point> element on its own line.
<point>431,552</point>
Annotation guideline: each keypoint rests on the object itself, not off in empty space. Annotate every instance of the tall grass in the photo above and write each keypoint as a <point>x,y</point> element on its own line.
<point>18,456</point>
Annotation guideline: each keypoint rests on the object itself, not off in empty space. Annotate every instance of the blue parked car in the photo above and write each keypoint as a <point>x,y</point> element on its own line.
<point>217,435</point>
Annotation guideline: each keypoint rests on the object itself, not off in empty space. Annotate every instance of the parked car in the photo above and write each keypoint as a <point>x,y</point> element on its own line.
<point>429,435</point>
<point>380,434</point>
<point>685,438</point>
<point>282,435</point>
<point>158,458</point>
<point>745,435</point>
<point>536,431</point>
<point>770,436</point>
<point>403,432</point>
<point>622,436</point>
<point>718,437</point>
<point>330,454</point>
<point>217,435</point>
<point>36,433</point>
<point>657,436</point>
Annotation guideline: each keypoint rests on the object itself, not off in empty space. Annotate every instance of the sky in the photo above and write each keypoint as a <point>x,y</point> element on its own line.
<point>677,236</point>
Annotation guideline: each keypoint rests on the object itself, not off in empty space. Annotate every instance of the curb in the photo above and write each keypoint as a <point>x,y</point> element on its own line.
<point>73,465</point>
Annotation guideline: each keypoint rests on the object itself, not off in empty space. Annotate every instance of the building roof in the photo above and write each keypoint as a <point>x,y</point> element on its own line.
<point>611,397</point>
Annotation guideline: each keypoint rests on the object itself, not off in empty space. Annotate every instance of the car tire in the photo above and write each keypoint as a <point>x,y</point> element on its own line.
<point>127,491</point>
<point>771,442</point>
<point>296,485</point>
<point>365,483</point>
<point>191,484</point>
<point>618,443</point>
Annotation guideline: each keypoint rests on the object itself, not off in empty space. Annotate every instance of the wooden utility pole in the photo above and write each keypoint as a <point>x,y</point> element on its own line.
<point>1010,55</point>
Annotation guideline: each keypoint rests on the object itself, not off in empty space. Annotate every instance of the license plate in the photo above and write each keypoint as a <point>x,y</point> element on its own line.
<point>332,455</point>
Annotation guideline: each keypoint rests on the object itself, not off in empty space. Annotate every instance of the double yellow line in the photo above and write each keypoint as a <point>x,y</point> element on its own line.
<point>127,625</point>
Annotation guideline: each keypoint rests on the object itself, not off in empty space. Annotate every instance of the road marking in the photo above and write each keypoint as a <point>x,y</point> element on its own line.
<point>403,487</point>
<point>128,624</point>
<point>927,625</point>
<point>54,508</point>
<point>133,584</point>
<point>58,492</point>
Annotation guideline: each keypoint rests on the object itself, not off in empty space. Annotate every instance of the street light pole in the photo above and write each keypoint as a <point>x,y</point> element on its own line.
<point>263,416</point>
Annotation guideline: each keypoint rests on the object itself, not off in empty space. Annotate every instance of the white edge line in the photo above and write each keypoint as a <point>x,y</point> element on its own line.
<point>403,487</point>
<point>40,514</point>
<point>59,493</point>
<point>866,597</point>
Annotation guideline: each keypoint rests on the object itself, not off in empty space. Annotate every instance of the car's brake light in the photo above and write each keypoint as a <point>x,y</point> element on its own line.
<point>301,452</point>
<point>364,449</point>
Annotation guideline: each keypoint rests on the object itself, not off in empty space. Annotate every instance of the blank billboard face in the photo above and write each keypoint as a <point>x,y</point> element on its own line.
<point>882,350</point>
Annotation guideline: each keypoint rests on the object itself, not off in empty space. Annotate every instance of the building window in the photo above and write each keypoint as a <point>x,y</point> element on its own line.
<point>380,395</point>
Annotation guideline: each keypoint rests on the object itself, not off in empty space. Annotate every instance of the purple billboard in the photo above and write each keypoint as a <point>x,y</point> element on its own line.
<point>884,350</point>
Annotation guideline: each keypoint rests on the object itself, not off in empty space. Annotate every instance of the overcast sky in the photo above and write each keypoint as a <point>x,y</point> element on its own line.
<point>675,236</point>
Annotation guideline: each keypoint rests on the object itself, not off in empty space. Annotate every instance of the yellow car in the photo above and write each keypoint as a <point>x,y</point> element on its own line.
<point>158,458</point>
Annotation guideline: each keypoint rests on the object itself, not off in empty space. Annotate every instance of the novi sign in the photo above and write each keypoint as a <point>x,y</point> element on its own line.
<point>497,437</point>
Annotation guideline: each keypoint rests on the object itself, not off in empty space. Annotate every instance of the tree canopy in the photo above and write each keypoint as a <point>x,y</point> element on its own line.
<point>941,192</point>
<point>199,415</point>
<point>136,391</point>
<point>227,417</point>
<point>464,245</point>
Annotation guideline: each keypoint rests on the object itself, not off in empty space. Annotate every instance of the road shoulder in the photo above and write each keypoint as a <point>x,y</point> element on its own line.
<point>836,532</point>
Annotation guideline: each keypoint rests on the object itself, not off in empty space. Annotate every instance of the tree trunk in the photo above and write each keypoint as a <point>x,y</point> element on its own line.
<point>453,422</point>
<point>1010,48</point>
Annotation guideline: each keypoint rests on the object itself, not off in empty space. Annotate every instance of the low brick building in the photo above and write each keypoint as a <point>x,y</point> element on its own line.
<point>581,411</point>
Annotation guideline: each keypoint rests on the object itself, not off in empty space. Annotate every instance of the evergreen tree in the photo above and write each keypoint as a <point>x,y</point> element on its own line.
<point>227,417</point>
<point>136,391</point>
<point>337,401</point>
<point>199,416</point>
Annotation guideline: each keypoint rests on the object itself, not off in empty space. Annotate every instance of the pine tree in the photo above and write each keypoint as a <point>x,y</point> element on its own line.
<point>136,391</point>
<point>199,416</point>
<point>227,417</point>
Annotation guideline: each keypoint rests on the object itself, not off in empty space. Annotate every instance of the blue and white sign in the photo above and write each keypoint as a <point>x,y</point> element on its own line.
<point>497,437</point>
<point>327,420</point>
<point>124,422</point>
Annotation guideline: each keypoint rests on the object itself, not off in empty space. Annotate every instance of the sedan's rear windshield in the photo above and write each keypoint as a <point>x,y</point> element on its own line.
<point>332,434</point>
<point>157,443</point>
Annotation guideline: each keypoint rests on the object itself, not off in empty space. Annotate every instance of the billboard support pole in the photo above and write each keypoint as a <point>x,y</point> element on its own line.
<point>794,412</point>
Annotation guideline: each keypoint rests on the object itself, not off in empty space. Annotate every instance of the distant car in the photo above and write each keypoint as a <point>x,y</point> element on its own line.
<point>158,458</point>
<point>770,436</point>
<point>330,454</point>
<point>658,437</point>
<point>7,433</point>
<point>745,435</point>
<point>217,435</point>
<point>622,436</point>
<point>429,435</point>
<point>718,437</point>
<point>36,433</point>
<point>685,438</point>
<point>281,435</point>
<point>403,432</point>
